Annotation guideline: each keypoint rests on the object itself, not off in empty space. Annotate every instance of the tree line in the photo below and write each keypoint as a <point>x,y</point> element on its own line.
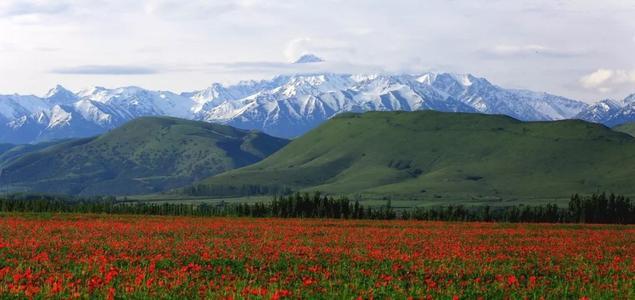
<point>233,190</point>
<point>596,208</point>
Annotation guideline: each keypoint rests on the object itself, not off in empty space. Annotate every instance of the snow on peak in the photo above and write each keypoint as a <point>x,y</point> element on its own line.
<point>59,117</point>
<point>463,79</point>
<point>630,98</point>
<point>16,106</point>
<point>427,78</point>
<point>308,58</point>
<point>364,77</point>
<point>91,91</point>
<point>289,105</point>
<point>60,95</point>
<point>609,104</point>
<point>58,89</point>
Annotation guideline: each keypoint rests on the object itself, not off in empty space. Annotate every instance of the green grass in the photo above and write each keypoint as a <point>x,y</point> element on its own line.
<point>628,128</point>
<point>446,158</point>
<point>9,152</point>
<point>146,155</point>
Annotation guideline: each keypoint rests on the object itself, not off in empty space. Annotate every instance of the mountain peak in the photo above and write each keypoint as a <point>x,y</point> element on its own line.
<point>308,58</point>
<point>58,89</point>
<point>630,98</point>
<point>60,95</point>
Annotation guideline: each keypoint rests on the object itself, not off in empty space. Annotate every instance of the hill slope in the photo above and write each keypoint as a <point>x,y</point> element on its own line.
<point>146,155</point>
<point>9,152</point>
<point>628,128</point>
<point>434,155</point>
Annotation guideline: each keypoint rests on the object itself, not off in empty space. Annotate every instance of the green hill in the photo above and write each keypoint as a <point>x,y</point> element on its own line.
<point>9,152</point>
<point>147,155</point>
<point>441,157</point>
<point>628,128</point>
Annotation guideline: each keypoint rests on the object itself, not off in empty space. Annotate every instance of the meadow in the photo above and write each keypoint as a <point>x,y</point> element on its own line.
<point>118,256</point>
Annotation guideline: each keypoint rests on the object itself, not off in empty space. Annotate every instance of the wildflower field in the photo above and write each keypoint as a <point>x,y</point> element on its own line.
<point>105,256</point>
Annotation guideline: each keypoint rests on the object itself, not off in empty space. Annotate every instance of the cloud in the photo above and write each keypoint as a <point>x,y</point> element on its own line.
<point>105,70</point>
<point>607,80</point>
<point>196,9</point>
<point>273,68</point>
<point>504,50</point>
<point>4,46</point>
<point>533,44</point>
<point>306,45</point>
<point>255,65</point>
<point>31,7</point>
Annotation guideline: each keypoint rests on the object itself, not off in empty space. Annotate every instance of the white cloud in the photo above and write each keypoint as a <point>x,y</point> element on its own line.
<point>189,9</point>
<point>297,47</point>
<point>267,68</point>
<point>328,48</point>
<point>6,46</point>
<point>514,49</point>
<point>106,70</point>
<point>534,44</point>
<point>528,50</point>
<point>606,80</point>
<point>32,7</point>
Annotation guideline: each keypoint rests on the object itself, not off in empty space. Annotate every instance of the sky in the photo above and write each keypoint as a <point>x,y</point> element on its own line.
<point>579,49</point>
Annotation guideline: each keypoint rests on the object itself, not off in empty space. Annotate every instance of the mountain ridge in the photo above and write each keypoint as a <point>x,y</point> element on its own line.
<point>286,105</point>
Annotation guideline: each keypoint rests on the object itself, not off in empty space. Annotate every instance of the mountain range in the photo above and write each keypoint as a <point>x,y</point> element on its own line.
<point>287,106</point>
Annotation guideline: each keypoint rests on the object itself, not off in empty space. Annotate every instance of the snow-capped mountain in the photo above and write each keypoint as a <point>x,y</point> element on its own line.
<point>291,105</point>
<point>63,114</point>
<point>600,111</point>
<point>610,112</point>
<point>60,95</point>
<point>285,106</point>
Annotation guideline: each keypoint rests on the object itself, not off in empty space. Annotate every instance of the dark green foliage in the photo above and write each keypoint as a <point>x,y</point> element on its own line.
<point>597,208</point>
<point>600,208</point>
<point>293,206</point>
<point>232,190</point>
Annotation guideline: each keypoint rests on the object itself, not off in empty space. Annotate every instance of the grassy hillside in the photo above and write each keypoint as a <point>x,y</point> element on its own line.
<point>628,128</point>
<point>9,152</point>
<point>144,156</point>
<point>443,157</point>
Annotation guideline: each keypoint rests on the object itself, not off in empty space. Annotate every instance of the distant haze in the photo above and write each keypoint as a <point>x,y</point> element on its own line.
<point>580,49</point>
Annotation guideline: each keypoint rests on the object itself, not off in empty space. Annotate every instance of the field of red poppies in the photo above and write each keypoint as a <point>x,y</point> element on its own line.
<point>80,256</point>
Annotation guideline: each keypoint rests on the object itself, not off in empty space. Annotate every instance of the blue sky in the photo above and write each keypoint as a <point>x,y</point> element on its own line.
<point>579,49</point>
